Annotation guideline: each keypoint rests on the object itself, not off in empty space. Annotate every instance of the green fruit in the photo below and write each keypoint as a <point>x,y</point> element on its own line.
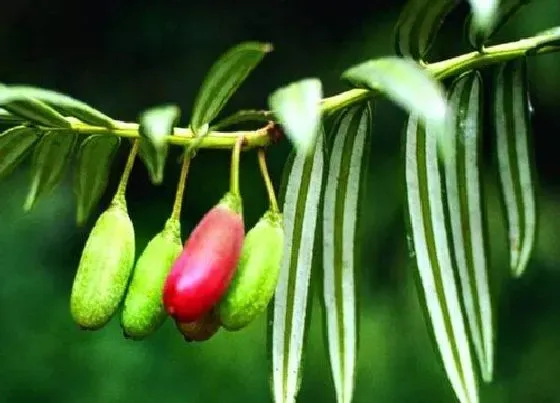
<point>104,270</point>
<point>143,311</point>
<point>256,277</point>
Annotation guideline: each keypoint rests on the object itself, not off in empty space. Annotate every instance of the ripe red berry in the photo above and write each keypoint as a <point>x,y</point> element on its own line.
<point>202,273</point>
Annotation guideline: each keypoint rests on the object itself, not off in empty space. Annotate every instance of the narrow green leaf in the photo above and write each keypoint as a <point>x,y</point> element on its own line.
<point>50,159</point>
<point>407,84</point>
<point>155,125</point>
<point>418,25</point>
<point>515,161</point>
<point>30,109</point>
<point>291,307</point>
<point>437,285</point>
<point>484,18</point>
<point>298,109</point>
<point>68,106</point>
<point>340,216</point>
<point>464,201</point>
<point>15,145</point>
<point>223,79</point>
<point>94,160</point>
<point>7,117</point>
<point>242,117</point>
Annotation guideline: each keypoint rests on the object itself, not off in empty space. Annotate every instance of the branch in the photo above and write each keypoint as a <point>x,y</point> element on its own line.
<point>539,44</point>
<point>456,65</point>
<point>183,136</point>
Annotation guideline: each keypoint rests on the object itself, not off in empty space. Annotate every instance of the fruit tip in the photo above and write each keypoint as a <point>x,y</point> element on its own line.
<point>130,336</point>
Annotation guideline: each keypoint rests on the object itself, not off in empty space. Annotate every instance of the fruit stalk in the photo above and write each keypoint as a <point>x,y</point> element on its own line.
<point>121,189</point>
<point>178,203</point>
<point>273,204</point>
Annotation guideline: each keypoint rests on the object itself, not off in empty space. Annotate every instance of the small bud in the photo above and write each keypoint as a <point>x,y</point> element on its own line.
<point>143,311</point>
<point>256,277</point>
<point>104,269</point>
<point>203,271</point>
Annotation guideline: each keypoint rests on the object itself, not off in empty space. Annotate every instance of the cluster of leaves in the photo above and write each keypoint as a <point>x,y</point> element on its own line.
<point>446,222</point>
<point>323,179</point>
<point>52,125</point>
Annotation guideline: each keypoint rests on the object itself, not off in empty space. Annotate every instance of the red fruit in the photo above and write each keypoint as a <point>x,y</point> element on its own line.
<point>202,273</point>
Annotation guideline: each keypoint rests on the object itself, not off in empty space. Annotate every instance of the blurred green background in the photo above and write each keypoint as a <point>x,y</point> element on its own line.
<point>122,57</point>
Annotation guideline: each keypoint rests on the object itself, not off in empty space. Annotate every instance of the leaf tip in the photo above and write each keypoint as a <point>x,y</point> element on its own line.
<point>298,108</point>
<point>29,203</point>
<point>267,47</point>
<point>81,216</point>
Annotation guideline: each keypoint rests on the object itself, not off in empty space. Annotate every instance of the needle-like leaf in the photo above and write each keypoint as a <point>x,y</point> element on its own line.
<point>418,25</point>
<point>290,311</point>
<point>344,186</point>
<point>515,161</point>
<point>464,201</point>
<point>430,242</point>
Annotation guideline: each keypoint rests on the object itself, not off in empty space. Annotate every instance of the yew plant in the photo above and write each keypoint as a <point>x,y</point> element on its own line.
<point>223,276</point>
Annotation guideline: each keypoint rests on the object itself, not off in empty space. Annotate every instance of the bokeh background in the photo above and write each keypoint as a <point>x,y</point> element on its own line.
<point>123,57</point>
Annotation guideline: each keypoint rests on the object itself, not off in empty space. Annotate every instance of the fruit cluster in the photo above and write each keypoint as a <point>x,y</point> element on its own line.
<point>220,277</point>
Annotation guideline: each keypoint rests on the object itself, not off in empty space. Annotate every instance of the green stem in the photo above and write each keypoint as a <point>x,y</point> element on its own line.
<point>491,55</point>
<point>267,182</point>
<point>234,171</point>
<point>455,66</point>
<point>181,136</point>
<point>121,190</point>
<point>178,203</point>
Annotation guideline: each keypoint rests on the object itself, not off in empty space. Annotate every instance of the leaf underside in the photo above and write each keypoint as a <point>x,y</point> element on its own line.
<point>437,285</point>
<point>155,125</point>
<point>418,25</point>
<point>464,202</point>
<point>346,164</point>
<point>515,161</point>
<point>483,22</point>
<point>291,307</point>
<point>407,84</point>
<point>297,108</point>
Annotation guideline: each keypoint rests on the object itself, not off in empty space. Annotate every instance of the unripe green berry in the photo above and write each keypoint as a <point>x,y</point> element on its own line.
<point>143,311</point>
<point>256,277</point>
<point>104,269</point>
